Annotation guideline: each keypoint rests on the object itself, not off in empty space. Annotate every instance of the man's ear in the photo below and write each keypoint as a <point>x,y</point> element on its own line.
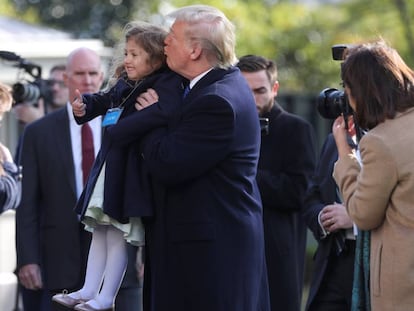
<point>275,88</point>
<point>195,52</point>
<point>65,78</point>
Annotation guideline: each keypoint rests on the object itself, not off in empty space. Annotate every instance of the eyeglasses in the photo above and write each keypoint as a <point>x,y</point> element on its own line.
<point>52,82</point>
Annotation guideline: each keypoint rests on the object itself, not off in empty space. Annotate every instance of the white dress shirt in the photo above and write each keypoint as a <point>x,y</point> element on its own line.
<point>75,135</point>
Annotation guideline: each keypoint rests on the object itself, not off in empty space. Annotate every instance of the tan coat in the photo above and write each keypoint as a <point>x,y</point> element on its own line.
<point>380,197</point>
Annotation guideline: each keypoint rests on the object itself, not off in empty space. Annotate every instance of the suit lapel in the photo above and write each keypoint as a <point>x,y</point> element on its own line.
<point>63,144</point>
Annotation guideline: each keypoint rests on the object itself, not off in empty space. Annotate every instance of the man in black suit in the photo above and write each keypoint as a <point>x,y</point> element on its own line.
<point>333,267</point>
<point>287,161</point>
<point>51,243</point>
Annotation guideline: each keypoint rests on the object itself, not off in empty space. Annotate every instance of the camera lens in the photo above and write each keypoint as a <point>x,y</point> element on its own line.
<point>331,103</point>
<point>25,92</point>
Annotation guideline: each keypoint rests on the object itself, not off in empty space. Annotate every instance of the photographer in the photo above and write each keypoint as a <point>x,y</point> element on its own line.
<point>377,183</point>
<point>9,173</point>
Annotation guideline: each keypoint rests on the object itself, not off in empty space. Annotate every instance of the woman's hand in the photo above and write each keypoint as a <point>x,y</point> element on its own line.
<point>78,107</point>
<point>339,132</point>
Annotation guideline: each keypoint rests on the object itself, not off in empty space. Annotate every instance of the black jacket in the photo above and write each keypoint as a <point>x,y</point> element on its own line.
<point>287,162</point>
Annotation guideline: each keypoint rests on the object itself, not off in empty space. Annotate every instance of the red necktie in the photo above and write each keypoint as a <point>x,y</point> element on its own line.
<point>88,154</point>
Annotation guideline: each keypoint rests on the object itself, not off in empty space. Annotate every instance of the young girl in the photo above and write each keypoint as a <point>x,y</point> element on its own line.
<point>113,201</point>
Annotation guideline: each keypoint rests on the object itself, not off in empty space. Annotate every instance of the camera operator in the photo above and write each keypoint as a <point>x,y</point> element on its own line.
<point>27,112</point>
<point>287,161</point>
<point>9,172</point>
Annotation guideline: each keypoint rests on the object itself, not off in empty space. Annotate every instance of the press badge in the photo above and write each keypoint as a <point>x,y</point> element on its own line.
<point>112,116</point>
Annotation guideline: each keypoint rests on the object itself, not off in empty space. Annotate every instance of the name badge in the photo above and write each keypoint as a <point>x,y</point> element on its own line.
<point>112,116</point>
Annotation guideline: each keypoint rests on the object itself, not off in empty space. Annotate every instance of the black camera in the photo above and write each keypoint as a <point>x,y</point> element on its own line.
<point>31,92</point>
<point>28,91</point>
<point>331,103</point>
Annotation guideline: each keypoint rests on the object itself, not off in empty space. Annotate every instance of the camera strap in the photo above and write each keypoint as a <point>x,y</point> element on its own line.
<point>113,114</point>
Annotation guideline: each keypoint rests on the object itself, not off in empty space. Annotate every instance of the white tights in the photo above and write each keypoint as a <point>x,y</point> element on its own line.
<point>107,261</point>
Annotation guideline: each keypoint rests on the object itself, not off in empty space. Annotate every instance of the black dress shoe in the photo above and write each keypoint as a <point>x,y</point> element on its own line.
<point>66,300</point>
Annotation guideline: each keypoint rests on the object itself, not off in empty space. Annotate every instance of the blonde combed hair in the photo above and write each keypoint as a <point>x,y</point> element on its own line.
<point>212,29</point>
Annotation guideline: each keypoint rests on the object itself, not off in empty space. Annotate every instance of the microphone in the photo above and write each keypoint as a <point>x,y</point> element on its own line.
<point>31,68</point>
<point>10,56</point>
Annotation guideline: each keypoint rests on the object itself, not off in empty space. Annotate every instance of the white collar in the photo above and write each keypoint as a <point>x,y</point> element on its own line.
<point>198,78</point>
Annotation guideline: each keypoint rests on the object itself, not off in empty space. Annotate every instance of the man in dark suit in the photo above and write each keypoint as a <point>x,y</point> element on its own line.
<point>25,113</point>
<point>205,246</point>
<point>287,162</point>
<point>333,268</point>
<point>51,243</point>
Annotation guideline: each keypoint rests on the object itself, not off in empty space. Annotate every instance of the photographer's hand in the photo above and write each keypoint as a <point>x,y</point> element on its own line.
<point>27,112</point>
<point>339,132</point>
<point>78,107</point>
<point>334,217</point>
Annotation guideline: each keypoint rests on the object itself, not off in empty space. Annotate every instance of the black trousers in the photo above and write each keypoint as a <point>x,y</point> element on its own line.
<point>335,293</point>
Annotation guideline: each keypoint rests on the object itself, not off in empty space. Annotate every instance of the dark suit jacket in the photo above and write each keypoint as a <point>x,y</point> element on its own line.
<point>321,193</point>
<point>205,248</point>
<point>48,231</point>
<point>126,192</point>
<point>287,163</point>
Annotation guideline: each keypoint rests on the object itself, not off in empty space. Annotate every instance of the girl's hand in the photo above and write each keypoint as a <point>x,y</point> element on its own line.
<point>78,107</point>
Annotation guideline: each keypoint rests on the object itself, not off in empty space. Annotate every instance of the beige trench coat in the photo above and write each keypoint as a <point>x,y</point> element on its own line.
<point>380,197</point>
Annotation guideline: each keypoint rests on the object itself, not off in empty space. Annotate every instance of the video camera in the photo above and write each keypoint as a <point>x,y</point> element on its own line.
<point>331,103</point>
<point>28,91</point>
